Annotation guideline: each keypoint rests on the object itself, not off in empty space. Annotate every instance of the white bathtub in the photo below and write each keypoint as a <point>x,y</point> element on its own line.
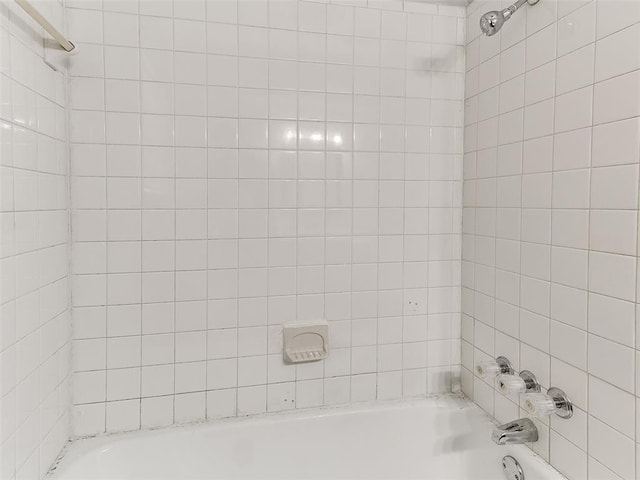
<point>436,438</point>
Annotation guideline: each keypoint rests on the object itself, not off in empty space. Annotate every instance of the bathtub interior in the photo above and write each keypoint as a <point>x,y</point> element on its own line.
<point>443,437</point>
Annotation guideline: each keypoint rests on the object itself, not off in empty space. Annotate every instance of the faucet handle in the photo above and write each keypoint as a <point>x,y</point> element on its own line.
<point>539,404</point>
<point>511,384</point>
<point>487,368</point>
<point>524,382</point>
<point>493,368</point>
<point>554,401</point>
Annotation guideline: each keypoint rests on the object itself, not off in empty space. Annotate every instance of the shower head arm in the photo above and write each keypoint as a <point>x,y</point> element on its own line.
<point>511,9</point>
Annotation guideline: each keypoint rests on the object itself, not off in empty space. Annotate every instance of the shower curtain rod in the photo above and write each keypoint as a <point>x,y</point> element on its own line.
<point>37,16</point>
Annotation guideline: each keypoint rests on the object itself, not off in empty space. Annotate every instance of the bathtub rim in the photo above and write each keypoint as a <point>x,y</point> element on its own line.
<point>80,446</point>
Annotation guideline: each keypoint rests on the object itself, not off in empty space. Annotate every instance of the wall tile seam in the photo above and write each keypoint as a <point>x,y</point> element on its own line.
<point>279,120</point>
<point>557,57</point>
<point>455,128</point>
<point>557,247</point>
<point>551,355</point>
<point>34,130</point>
<point>266,59</point>
<point>174,20</point>
<point>32,88</point>
<point>545,172</point>
<point>440,10</point>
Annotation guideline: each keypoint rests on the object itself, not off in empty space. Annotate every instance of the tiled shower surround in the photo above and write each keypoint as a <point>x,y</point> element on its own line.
<point>240,165</point>
<point>552,145</point>
<point>35,317</point>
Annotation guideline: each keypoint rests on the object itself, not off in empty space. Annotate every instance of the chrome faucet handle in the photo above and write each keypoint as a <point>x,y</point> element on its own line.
<point>525,382</point>
<point>493,368</point>
<point>544,404</point>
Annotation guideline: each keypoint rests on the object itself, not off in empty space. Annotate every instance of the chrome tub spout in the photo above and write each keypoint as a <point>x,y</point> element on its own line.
<point>519,431</point>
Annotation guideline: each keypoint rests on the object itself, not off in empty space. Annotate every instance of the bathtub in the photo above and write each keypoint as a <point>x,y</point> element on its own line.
<point>445,437</point>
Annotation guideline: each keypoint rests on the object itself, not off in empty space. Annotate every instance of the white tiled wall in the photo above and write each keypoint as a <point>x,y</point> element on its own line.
<point>35,320</point>
<point>240,165</point>
<point>550,250</point>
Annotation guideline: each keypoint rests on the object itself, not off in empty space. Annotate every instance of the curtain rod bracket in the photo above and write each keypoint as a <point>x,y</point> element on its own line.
<point>66,45</point>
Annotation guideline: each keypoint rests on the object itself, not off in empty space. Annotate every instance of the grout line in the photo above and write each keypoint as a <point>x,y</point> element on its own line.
<point>351,209</point>
<point>141,187</point>
<point>494,210</point>
<point>237,213</point>
<point>379,373</point>
<point>588,239</point>
<point>173,240</point>
<point>106,229</point>
<point>547,315</point>
<point>268,182</point>
<point>207,326</point>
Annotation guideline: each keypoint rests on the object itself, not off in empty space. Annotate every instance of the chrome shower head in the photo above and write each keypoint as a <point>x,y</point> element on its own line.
<point>492,22</point>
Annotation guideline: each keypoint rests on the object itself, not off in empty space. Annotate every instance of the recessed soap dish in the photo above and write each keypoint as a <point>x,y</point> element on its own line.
<point>305,342</point>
